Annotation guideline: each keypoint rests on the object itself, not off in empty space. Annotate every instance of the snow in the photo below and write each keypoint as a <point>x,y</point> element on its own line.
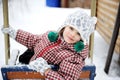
<point>34,16</point>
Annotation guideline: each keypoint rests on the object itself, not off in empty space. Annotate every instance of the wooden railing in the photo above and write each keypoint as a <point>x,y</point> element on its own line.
<point>106,14</point>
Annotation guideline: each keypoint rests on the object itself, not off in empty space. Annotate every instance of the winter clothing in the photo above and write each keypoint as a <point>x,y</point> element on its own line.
<point>26,56</point>
<point>12,33</point>
<point>39,65</point>
<point>79,46</point>
<point>50,48</point>
<point>82,22</point>
<point>56,52</point>
<point>53,36</point>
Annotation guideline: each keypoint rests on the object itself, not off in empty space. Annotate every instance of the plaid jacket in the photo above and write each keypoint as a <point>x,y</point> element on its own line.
<point>70,62</point>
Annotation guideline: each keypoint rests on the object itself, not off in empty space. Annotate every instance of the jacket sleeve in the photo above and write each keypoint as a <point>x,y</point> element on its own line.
<point>53,75</point>
<point>27,39</point>
<point>70,68</point>
<point>84,53</point>
<point>68,71</point>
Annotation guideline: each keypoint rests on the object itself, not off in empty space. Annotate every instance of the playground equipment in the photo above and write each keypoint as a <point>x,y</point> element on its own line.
<point>22,72</point>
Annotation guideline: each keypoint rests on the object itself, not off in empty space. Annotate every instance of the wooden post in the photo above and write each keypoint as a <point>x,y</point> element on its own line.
<point>64,3</point>
<point>113,41</point>
<point>6,24</point>
<point>91,42</point>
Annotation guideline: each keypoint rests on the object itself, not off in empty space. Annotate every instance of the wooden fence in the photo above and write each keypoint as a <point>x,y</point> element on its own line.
<point>106,14</point>
<point>76,3</point>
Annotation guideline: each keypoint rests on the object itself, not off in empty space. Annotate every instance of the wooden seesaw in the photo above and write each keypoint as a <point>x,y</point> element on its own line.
<point>23,72</point>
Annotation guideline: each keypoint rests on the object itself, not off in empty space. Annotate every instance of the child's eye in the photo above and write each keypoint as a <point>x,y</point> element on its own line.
<point>78,33</point>
<point>71,28</point>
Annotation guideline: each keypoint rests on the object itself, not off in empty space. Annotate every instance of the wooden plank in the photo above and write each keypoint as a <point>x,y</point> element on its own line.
<point>111,12</point>
<point>107,23</point>
<point>106,20</point>
<point>106,14</point>
<point>113,41</point>
<point>105,29</point>
<point>85,74</point>
<point>107,8</point>
<point>75,3</point>
<point>104,33</point>
<point>107,32</point>
<point>113,4</point>
<point>64,3</point>
<point>37,75</point>
<point>116,1</point>
<point>117,47</point>
<point>118,39</point>
<point>24,75</point>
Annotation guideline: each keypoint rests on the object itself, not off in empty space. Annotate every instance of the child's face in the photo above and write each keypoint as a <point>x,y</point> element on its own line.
<point>71,35</point>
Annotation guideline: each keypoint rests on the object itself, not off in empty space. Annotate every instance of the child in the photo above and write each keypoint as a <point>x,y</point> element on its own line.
<point>67,48</point>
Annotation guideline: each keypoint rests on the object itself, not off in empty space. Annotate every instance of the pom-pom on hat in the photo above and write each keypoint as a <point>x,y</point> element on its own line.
<point>82,22</point>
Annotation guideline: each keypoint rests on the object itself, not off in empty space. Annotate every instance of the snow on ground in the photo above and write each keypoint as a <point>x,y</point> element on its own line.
<point>34,16</point>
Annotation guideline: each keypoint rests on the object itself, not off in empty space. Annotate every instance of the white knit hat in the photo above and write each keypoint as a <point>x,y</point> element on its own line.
<point>82,22</point>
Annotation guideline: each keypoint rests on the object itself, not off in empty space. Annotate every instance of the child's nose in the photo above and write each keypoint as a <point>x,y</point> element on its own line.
<point>73,34</point>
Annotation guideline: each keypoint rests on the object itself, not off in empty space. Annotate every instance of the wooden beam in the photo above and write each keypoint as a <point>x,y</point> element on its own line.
<point>91,43</point>
<point>64,3</point>
<point>24,75</point>
<point>37,75</point>
<point>113,41</point>
<point>6,24</point>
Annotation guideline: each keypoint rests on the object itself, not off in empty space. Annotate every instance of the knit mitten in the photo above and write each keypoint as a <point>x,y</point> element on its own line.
<point>12,32</point>
<point>39,65</point>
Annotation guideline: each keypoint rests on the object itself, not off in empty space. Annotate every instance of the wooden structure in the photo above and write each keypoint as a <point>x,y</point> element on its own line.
<point>108,26</point>
<point>106,14</point>
<point>113,40</point>
<point>77,3</point>
<point>83,4</point>
<point>22,72</point>
<point>6,24</point>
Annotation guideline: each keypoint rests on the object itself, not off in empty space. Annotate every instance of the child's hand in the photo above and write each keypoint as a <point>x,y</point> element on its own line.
<point>9,31</point>
<point>40,65</point>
